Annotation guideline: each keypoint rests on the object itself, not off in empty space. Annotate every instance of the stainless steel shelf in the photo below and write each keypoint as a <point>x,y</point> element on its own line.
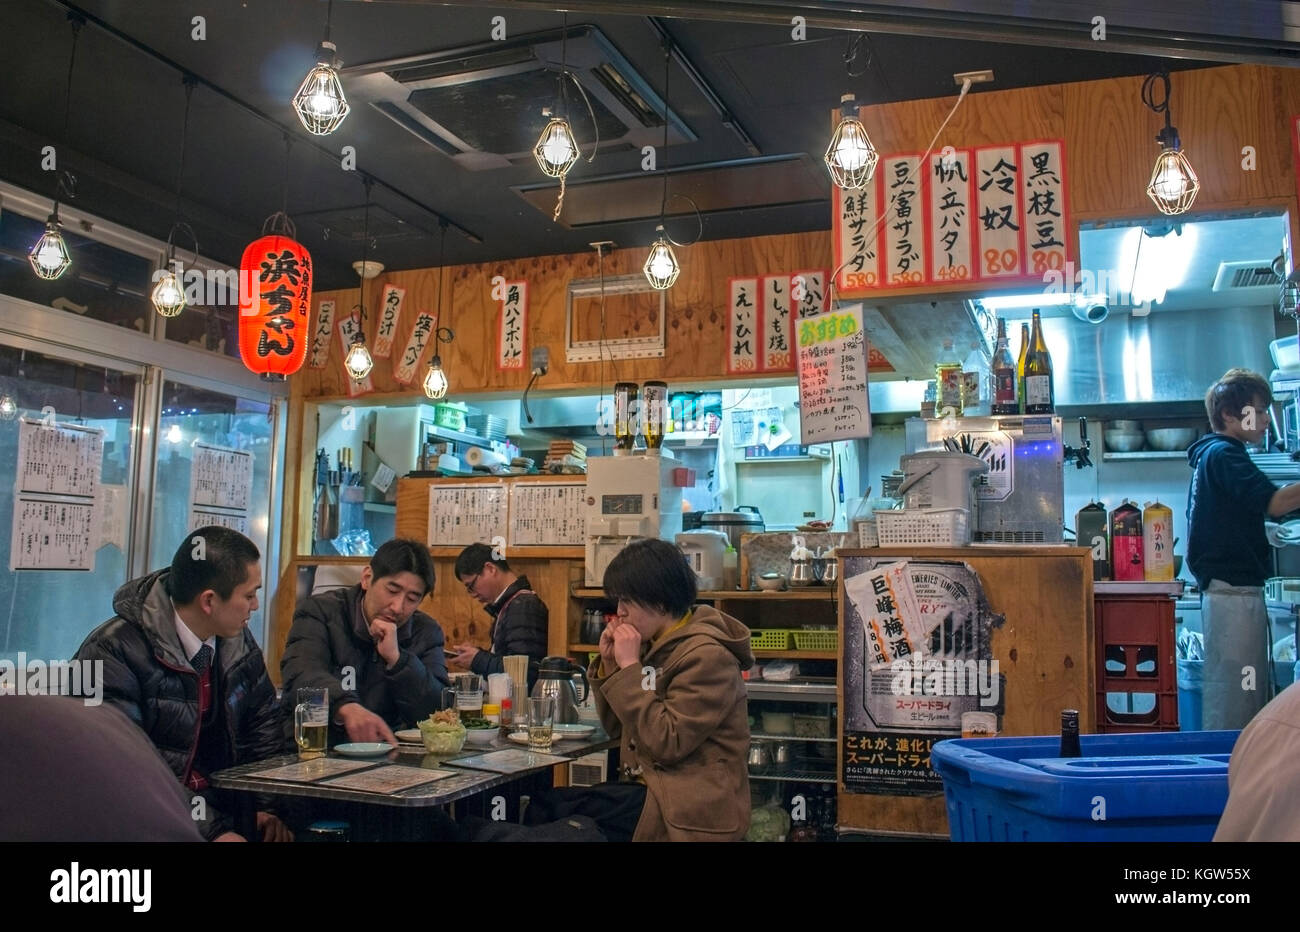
<point>1146,455</point>
<point>766,737</point>
<point>793,775</point>
<point>798,692</point>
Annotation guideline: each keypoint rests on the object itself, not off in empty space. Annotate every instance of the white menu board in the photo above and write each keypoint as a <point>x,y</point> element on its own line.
<point>221,487</point>
<point>547,514</point>
<point>466,513</point>
<point>832,349</point>
<point>57,504</point>
<point>235,520</point>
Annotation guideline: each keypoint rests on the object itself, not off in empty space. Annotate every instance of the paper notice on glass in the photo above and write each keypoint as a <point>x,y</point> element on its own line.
<point>58,459</point>
<point>112,525</point>
<point>891,615</point>
<point>54,534</point>
<point>221,477</point>
<point>209,517</point>
<point>57,516</point>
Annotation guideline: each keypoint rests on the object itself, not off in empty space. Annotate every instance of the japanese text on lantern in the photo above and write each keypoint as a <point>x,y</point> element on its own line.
<point>514,316</point>
<point>743,325</point>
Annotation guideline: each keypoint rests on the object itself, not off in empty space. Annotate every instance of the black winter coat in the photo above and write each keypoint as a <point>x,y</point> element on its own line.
<point>329,635</point>
<point>148,677</point>
<point>519,627</point>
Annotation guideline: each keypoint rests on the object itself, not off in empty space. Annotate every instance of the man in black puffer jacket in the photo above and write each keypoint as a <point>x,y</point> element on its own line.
<point>180,661</point>
<point>379,656</point>
<point>519,616</point>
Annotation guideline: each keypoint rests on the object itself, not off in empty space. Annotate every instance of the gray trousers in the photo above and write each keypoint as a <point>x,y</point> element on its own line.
<point>1236,680</point>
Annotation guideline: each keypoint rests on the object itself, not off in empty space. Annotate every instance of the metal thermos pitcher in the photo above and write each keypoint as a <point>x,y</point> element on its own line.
<point>555,680</point>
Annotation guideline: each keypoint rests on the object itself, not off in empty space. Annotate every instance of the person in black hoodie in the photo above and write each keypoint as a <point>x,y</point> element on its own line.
<point>1228,501</point>
<point>519,616</point>
<point>180,662</point>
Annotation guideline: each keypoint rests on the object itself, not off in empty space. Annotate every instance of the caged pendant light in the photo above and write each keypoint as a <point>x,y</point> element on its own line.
<point>1173,185</point>
<point>850,158</point>
<point>661,268</point>
<point>50,257</point>
<point>168,295</point>
<point>359,362</point>
<point>557,148</point>
<point>320,103</point>
<point>435,383</point>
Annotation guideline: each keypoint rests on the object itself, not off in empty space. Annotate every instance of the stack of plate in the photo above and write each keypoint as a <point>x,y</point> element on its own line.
<point>488,426</point>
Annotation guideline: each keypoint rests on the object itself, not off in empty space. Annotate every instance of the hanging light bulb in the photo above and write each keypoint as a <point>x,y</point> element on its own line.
<point>435,380</point>
<point>850,158</point>
<point>168,297</point>
<point>358,362</point>
<point>1174,185</point>
<point>50,257</point>
<point>320,103</point>
<point>556,149</point>
<point>661,268</point>
<point>8,407</point>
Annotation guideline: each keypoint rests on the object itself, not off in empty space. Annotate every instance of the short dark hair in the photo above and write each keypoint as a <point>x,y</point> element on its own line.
<point>1233,393</point>
<point>474,557</point>
<point>403,555</point>
<point>653,574</point>
<point>220,564</point>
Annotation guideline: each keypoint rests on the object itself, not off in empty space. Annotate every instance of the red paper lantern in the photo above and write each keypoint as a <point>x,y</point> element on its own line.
<point>274,306</point>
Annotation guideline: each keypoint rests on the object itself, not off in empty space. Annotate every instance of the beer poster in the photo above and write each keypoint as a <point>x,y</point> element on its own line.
<point>918,655</point>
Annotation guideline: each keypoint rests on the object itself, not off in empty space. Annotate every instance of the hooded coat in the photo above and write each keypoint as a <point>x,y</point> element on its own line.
<point>148,677</point>
<point>687,730</point>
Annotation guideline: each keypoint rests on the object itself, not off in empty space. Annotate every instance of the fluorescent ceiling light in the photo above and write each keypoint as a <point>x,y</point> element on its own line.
<point>1158,263</point>
<point>1040,299</point>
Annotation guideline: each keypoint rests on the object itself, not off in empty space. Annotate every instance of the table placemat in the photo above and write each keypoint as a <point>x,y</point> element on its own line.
<point>309,771</point>
<point>508,761</point>
<point>391,778</point>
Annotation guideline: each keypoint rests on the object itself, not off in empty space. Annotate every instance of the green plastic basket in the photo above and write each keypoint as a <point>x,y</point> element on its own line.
<point>770,639</point>
<point>816,640</point>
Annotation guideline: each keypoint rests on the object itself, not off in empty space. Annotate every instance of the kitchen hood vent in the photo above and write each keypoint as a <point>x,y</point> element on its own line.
<point>1233,275</point>
<point>482,105</point>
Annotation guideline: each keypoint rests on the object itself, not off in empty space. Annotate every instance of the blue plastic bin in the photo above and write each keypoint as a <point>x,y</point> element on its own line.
<point>1163,786</point>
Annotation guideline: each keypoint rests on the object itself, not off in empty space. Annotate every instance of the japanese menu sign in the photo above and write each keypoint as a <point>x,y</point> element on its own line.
<point>514,320</point>
<point>57,501</point>
<point>777,342</point>
<point>917,656</point>
<point>320,336</point>
<point>832,351</point>
<point>547,514</point>
<point>390,312</point>
<point>809,293</point>
<point>988,213</point>
<point>348,327</point>
<point>221,487</point>
<point>467,513</point>
<point>404,366</point>
<point>742,325</point>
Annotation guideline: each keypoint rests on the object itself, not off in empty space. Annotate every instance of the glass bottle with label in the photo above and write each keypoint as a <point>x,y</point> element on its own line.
<point>1005,397</point>
<point>654,408</point>
<point>1020,368</point>
<point>1070,734</point>
<point>1040,398</point>
<point>625,414</point>
<point>948,380</point>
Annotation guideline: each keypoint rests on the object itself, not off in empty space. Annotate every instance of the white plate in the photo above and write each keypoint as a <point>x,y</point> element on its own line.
<point>572,730</point>
<point>409,736</point>
<point>364,749</point>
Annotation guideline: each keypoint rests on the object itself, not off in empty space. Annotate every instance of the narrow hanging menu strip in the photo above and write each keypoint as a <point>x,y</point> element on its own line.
<point>513,325</point>
<point>742,325</point>
<point>776,324</point>
<point>390,312</point>
<point>832,350</point>
<point>405,365</point>
<point>320,337</point>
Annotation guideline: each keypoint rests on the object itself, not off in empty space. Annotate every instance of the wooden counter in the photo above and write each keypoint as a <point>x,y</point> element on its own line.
<point>1044,649</point>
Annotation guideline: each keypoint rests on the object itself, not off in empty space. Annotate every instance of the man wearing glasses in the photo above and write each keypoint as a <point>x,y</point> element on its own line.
<point>519,616</point>
<point>379,656</point>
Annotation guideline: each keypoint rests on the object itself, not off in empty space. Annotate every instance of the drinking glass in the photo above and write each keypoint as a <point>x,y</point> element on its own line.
<point>541,719</point>
<point>469,696</point>
<point>311,722</point>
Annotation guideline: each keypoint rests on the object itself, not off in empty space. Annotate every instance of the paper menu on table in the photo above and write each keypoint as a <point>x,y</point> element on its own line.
<point>468,513</point>
<point>308,771</point>
<point>891,614</point>
<point>547,514</point>
<point>391,778</point>
<point>508,761</point>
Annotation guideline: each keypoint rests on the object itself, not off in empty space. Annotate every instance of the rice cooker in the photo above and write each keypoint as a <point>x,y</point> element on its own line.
<point>744,520</point>
<point>940,479</point>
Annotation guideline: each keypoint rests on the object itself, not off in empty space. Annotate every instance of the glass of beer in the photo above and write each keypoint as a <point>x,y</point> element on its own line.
<point>311,722</point>
<point>654,406</point>
<point>469,696</point>
<point>541,720</point>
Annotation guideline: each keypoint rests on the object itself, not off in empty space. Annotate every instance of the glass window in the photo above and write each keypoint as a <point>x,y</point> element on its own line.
<point>210,320</point>
<point>191,416</point>
<point>103,283</point>
<point>46,614</point>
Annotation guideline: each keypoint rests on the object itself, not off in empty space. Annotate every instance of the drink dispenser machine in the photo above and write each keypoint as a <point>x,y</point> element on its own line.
<point>629,498</point>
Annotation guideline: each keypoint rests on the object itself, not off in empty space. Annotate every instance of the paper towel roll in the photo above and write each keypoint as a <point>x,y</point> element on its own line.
<point>478,456</point>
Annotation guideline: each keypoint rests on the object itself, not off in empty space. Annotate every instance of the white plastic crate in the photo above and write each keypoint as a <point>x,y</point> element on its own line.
<point>867,536</point>
<point>938,527</point>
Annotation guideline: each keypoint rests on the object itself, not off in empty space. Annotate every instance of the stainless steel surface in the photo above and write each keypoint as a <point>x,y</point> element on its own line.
<point>793,691</point>
<point>1174,588</point>
<point>801,573</point>
<point>1120,442</point>
<point>1171,438</point>
<point>782,753</point>
<point>555,680</point>
<point>760,753</point>
<point>1129,427</point>
<point>734,523</point>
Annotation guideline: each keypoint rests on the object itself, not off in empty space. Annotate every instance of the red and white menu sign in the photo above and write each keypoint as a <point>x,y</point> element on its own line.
<point>777,342</point>
<point>742,325</point>
<point>390,311</point>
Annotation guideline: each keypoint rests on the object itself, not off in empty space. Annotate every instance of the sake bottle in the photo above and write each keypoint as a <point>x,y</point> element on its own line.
<point>1020,368</point>
<point>1005,398</point>
<point>1039,396</point>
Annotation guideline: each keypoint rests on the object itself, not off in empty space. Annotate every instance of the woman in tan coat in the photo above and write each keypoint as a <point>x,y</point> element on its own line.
<point>668,684</point>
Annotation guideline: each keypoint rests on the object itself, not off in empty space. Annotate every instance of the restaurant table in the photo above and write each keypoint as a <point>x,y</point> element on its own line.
<point>406,814</point>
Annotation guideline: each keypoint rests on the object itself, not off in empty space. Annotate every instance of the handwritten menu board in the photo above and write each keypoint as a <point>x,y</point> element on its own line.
<point>832,351</point>
<point>57,503</point>
<point>513,325</point>
<point>547,513</point>
<point>989,213</point>
<point>742,325</point>
<point>221,487</point>
<point>390,311</point>
<point>320,337</point>
<point>468,513</point>
<point>776,323</point>
<point>404,365</point>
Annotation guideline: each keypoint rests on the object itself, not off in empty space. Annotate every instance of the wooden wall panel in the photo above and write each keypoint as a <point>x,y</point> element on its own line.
<point>1044,649</point>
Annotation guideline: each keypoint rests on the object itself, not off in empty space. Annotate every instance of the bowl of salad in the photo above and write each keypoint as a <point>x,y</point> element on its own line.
<point>443,732</point>
<point>480,731</point>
